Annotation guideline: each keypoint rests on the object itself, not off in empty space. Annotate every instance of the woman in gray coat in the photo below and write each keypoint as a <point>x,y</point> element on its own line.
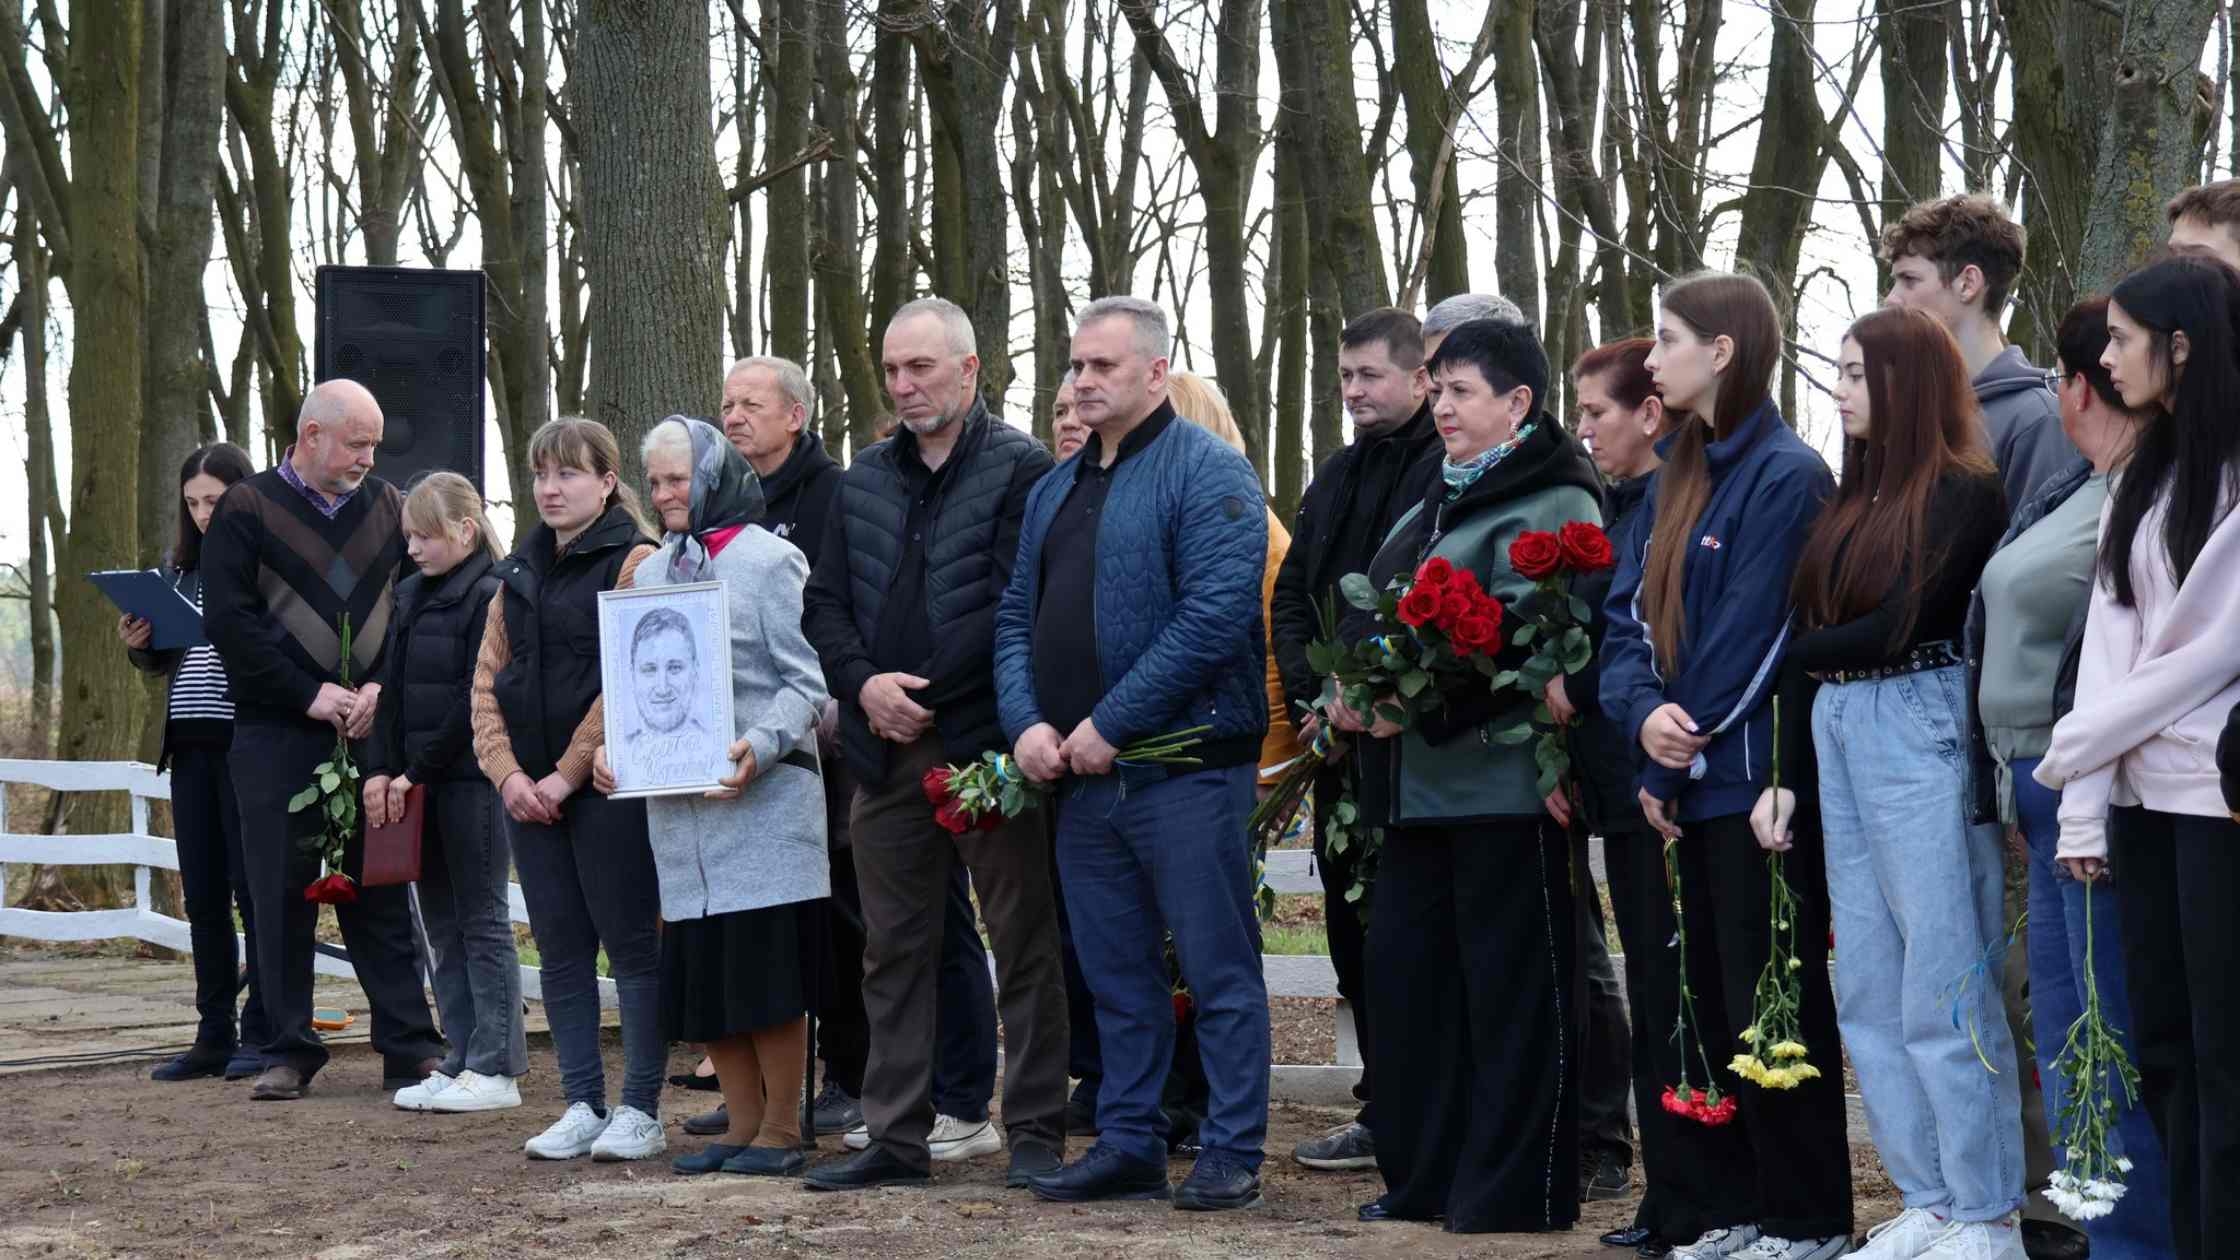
<point>743,868</point>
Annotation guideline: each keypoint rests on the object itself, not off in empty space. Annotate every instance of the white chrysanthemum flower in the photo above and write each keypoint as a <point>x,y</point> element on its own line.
<point>2123,1163</point>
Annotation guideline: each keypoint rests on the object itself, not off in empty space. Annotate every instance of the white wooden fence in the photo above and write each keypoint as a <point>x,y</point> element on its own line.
<point>1288,871</point>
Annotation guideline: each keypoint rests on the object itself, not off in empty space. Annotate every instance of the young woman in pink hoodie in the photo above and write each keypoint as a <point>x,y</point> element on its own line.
<point>2135,760</point>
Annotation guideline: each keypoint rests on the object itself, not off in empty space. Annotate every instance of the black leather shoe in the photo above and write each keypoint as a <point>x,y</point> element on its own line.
<point>1379,1212</point>
<point>194,1065</point>
<point>694,1081</point>
<point>1218,1184</point>
<point>865,1170</point>
<point>767,1161</point>
<point>1103,1173</point>
<point>835,1111</point>
<point>244,1064</point>
<point>1655,1249</point>
<point>1630,1236</point>
<point>1030,1160</point>
<point>709,1123</point>
<point>707,1159</point>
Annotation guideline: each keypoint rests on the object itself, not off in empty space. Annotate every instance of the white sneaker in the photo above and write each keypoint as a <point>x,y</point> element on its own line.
<point>1980,1240</point>
<point>1769,1247</point>
<point>473,1091</point>
<point>630,1134</point>
<point>1718,1244</point>
<point>858,1138</point>
<point>953,1139</point>
<point>419,1097</point>
<point>1904,1236</point>
<point>571,1136</point>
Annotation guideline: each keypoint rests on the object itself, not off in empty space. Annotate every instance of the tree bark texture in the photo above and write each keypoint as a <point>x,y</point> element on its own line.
<point>789,42</point>
<point>964,60</point>
<point>839,258</point>
<point>2149,145</point>
<point>1317,80</point>
<point>652,215</point>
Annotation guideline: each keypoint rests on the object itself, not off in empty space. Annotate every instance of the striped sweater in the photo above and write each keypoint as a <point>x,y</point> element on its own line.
<point>277,579</point>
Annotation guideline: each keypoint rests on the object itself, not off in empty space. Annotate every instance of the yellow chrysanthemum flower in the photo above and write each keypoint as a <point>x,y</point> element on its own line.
<point>1788,1050</point>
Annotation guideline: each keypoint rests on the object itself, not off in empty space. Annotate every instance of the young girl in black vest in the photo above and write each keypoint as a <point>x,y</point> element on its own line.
<point>585,866</point>
<point>422,740</point>
<point>197,727</point>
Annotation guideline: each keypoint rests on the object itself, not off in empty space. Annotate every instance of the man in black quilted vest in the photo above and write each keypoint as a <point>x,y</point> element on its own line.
<point>901,607</point>
<point>291,551</point>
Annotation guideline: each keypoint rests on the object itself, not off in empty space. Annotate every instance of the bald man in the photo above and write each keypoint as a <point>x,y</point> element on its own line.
<point>290,553</point>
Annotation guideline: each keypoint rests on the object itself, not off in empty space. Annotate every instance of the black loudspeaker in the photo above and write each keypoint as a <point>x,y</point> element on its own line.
<point>413,336</point>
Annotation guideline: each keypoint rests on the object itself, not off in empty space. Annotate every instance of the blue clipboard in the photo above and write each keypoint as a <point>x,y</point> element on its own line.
<point>150,596</point>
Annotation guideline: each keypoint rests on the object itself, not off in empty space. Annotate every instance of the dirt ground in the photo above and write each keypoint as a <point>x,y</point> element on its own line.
<point>108,1163</point>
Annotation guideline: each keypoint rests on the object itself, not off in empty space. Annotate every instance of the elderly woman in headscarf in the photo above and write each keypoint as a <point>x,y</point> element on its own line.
<point>742,868</point>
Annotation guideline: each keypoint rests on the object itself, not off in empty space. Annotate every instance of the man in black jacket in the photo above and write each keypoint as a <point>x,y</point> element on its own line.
<point>1346,511</point>
<point>765,415</point>
<point>901,606</point>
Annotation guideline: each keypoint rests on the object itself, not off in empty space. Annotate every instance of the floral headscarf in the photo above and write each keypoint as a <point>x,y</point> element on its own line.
<point>725,494</point>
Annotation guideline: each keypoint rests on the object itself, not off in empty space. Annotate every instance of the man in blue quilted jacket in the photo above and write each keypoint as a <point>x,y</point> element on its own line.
<point>1133,611</point>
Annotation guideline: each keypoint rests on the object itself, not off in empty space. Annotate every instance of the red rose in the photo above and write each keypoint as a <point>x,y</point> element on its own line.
<point>1536,554</point>
<point>1182,1007</point>
<point>1435,572</point>
<point>1453,607</point>
<point>1478,633</point>
<point>1419,605</point>
<point>989,819</point>
<point>1585,547</point>
<point>952,818</point>
<point>1466,582</point>
<point>936,784</point>
<point>333,890</point>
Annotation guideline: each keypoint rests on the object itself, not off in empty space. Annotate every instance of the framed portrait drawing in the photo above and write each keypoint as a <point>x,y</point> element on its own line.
<point>665,664</point>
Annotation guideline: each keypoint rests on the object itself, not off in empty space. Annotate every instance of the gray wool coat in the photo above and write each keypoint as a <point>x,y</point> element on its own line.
<point>767,847</point>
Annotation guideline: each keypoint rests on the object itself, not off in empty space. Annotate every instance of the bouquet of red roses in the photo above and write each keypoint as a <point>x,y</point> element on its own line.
<point>333,793</point>
<point>1555,629</point>
<point>1432,629</point>
<point>981,794</point>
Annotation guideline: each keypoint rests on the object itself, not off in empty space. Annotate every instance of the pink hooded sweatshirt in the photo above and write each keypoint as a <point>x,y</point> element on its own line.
<point>2154,686</point>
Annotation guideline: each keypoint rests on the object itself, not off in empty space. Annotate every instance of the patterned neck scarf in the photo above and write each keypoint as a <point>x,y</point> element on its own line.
<point>1462,476</point>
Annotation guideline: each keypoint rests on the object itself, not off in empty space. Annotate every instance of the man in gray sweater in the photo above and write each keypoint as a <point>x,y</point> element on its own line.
<point>1957,258</point>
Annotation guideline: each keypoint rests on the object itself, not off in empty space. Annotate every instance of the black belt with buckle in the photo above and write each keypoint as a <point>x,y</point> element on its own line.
<point>1937,655</point>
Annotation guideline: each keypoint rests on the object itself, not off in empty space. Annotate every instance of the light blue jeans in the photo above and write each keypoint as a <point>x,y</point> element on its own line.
<point>1916,893</point>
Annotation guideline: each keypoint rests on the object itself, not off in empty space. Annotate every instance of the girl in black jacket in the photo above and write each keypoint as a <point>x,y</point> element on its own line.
<point>423,740</point>
<point>197,727</point>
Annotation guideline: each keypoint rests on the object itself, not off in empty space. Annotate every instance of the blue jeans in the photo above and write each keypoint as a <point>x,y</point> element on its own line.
<point>1917,897</point>
<point>2139,1228</point>
<point>1140,860</point>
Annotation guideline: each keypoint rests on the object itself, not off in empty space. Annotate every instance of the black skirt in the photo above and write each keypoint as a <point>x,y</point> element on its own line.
<point>730,974</point>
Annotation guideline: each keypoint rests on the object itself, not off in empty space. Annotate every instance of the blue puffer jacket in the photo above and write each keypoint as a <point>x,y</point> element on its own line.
<point>1767,488</point>
<point>1182,546</point>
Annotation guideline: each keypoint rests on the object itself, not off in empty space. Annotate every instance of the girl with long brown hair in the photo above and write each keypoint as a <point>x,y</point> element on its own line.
<point>1699,626</point>
<point>1916,889</point>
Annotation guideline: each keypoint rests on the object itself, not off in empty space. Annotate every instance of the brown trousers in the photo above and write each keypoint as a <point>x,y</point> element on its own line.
<point>903,863</point>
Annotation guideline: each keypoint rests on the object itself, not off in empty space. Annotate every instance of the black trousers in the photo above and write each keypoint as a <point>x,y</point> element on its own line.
<point>1342,923</point>
<point>1605,1046</point>
<point>1471,944</point>
<point>1677,1189</point>
<point>272,761</point>
<point>1785,1163</point>
<point>207,824</point>
<point>2176,875</point>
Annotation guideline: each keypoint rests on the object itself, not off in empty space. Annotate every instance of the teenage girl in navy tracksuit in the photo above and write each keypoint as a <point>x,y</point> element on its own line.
<point>1699,624</point>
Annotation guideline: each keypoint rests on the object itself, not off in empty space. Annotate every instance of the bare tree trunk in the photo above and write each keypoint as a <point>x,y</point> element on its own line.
<point>1516,91</point>
<point>1915,71</point>
<point>1317,78</point>
<point>1423,85</point>
<point>1042,217</point>
<point>964,60</point>
<point>31,257</point>
<point>653,247</point>
<point>2061,93</point>
<point>789,41</point>
<point>1292,261</point>
<point>892,273</point>
<point>1224,158</point>
<point>840,255</point>
<point>103,699</point>
<point>177,400</point>
<point>384,134</point>
<point>2150,144</point>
